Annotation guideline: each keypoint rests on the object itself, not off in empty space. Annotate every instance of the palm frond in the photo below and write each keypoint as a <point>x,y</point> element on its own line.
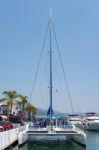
<point>3,99</point>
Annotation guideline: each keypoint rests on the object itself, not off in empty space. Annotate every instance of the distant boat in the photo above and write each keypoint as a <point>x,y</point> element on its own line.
<point>90,121</point>
<point>75,119</point>
<point>54,131</point>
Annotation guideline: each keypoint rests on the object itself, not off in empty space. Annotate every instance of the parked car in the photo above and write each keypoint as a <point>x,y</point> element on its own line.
<point>5,126</point>
<point>9,123</point>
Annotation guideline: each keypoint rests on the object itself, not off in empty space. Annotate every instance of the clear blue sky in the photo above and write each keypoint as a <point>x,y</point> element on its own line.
<point>22,29</point>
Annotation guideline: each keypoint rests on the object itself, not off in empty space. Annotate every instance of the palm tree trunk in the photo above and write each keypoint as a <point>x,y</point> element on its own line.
<point>11,108</point>
<point>29,115</point>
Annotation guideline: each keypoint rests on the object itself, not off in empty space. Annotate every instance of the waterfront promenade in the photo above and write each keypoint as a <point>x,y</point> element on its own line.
<point>8,137</point>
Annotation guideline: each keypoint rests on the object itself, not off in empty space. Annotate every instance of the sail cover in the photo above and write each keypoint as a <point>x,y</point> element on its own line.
<point>50,111</point>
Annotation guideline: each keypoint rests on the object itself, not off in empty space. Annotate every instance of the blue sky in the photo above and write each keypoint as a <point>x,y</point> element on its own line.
<point>22,29</point>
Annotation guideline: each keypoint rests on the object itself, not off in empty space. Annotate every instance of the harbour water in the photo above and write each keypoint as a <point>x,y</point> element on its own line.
<point>92,144</point>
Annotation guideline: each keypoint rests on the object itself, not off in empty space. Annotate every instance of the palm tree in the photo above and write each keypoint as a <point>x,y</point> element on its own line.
<point>31,110</point>
<point>18,103</point>
<point>10,96</point>
<point>23,102</point>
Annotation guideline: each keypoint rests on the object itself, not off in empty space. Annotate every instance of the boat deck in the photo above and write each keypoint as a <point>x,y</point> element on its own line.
<point>63,130</point>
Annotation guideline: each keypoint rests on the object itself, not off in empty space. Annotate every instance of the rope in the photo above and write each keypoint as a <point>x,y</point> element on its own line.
<point>63,69</point>
<point>42,49</point>
<point>41,53</point>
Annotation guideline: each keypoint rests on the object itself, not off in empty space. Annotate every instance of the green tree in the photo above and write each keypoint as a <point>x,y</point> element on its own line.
<point>23,101</point>
<point>18,103</point>
<point>31,111</point>
<point>10,96</point>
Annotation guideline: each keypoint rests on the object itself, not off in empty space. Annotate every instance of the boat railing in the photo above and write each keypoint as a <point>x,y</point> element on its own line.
<point>78,129</point>
<point>65,126</point>
<point>34,126</point>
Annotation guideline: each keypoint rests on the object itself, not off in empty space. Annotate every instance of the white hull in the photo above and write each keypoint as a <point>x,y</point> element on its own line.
<point>57,134</point>
<point>22,137</point>
<point>81,139</point>
<point>91,125</point>
<point>90,122</point>
<point>48,138</point>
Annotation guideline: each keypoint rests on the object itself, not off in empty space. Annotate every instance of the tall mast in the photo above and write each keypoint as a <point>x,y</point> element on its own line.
<point>50,23</point>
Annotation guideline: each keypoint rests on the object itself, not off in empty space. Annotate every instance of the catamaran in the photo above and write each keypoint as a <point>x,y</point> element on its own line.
<point>54,131</point>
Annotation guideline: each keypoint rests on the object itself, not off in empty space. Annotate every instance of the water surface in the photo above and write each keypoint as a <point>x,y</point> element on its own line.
<point>53,146</point>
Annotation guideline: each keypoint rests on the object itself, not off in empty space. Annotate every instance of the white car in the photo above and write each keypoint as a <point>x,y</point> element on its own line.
<point>1,129</point>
